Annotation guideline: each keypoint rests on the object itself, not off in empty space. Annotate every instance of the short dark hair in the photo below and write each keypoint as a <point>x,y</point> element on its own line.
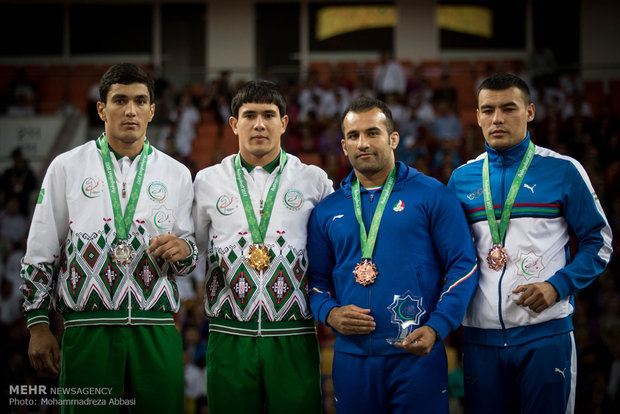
<point>365,104</point>
<point>125,74</point>
<point>501,81</point>
<point>260,91</point>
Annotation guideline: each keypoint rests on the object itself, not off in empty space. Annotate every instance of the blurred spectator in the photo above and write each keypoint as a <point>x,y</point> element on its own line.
<point>23,95</point>
<point>19,181</point>
<point>389,77</point>
<point>10,303</point>
<point>186,118</point>
<point>13,227</point>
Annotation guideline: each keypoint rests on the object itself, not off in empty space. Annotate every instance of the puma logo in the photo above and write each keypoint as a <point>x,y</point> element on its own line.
<point>337,217</point>
<point>530,188</point>
<point>561,371</point>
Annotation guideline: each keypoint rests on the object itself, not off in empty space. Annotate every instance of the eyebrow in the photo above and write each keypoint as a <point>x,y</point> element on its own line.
<point>253,112</point>
<point>501,105</point>
<point>124,96</point>
<point>371,129</point>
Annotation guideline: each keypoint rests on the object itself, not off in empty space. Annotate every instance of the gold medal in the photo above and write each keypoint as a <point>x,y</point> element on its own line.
<point>497,257</point>
<point>258,256</point>
<point>365,272</point>
<point>122,253</point>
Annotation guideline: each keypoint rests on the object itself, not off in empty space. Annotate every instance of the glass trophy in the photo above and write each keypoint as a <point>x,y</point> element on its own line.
<point>406,311</point>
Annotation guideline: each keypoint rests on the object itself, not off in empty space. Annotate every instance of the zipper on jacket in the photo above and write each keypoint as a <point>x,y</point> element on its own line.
<point>501,278</point>
<point>129,306</point>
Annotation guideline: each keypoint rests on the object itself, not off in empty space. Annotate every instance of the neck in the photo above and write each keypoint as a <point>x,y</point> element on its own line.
<point>375,179</point>
<point>259,160</point>
<point>126,150</point>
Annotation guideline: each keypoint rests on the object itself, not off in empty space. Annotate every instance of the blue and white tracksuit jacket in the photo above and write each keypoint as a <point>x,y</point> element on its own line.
<point>423,250</point>
<point>556,200</point>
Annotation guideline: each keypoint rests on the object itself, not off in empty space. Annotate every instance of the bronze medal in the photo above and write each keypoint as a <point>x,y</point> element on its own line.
<point>122,253</point>
<point>258,256</point>
<point>365,272</point>
<point>497,257</point>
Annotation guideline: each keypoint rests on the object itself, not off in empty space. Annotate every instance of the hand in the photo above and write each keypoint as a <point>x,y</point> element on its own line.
<point>43,350</point>
<point>351,320</point>
<point>537,296</point>
<point>419,342</point>
<point>169,247</point>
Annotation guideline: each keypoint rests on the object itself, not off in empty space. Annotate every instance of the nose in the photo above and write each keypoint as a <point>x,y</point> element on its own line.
<point>259,123</point>
<point>362,142</point>
<point>130,108</point>
<point>498,117</point>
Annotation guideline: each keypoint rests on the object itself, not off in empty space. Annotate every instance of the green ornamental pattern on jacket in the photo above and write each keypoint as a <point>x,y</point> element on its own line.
<point>234,288</point>
<point>89,280</point>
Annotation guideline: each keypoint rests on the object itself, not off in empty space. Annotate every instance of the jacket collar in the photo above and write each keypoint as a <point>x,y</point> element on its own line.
<point>402,174</point>
<point>512,155</point>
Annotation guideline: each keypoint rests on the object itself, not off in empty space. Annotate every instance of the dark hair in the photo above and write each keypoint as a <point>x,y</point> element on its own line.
<point>365,104</point>
<point>260,91</point>
<point>125,74</point>
<point>501,81</point>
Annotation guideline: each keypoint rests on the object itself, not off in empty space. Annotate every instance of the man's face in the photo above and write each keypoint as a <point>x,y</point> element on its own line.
<point>366,142</point>
<point>126,113</point>
<point>259,128</point>
<point>503,116</point>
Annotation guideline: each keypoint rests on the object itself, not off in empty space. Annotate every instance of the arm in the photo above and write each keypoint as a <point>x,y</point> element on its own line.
<point>48,231</point>
<point>201,219</point>
<point>321,263</point>
<point>452,240</point>
<point>585,217</point>
<point>178,247</point>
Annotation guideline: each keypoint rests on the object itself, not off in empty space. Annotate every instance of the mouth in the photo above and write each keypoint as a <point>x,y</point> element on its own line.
<point>364,155</point>
<point>130,124</point>
<point>497,132</point>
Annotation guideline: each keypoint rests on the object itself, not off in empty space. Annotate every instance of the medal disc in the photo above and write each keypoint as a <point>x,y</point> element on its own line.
<point>365,272</point>
<point>122,253</point>
<point>497,257</point>
<point>258,257</point>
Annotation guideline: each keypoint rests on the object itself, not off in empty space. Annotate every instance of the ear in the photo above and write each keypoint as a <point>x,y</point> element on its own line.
<point>531,111</point>
<point>284,121</point>
<point>478,117</point>
<point>152,112</point>
<point>232,121</point>
<point>100,110</point>
<point>394,140</point>
<point>344,147</point>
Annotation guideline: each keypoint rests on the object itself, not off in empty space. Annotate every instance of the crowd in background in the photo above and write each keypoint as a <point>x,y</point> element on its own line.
<point>437,134</point>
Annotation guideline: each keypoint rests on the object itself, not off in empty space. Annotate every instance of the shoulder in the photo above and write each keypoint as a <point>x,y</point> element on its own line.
<point>220,171</point>
<point>77,157</point>
<point>295,166</point>
<point>160,158</point>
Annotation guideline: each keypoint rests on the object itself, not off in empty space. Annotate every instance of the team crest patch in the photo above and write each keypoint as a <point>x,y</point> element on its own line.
<point>163,218</point>
<point>400,206</point>
<point>92,187</point>
<point>157,191</point>
<point>227,204</point>
<point>293,199</point>
<point>529,265</point>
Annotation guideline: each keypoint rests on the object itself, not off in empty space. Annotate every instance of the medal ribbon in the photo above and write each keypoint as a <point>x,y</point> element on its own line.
<point>258,231</point>
<point>497,234</point>
<point>368,241</point>
<point>123,223</point>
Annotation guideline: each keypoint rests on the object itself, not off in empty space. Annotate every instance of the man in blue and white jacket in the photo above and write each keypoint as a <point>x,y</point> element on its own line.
<point>518,338</point>
<point>392,307</point>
